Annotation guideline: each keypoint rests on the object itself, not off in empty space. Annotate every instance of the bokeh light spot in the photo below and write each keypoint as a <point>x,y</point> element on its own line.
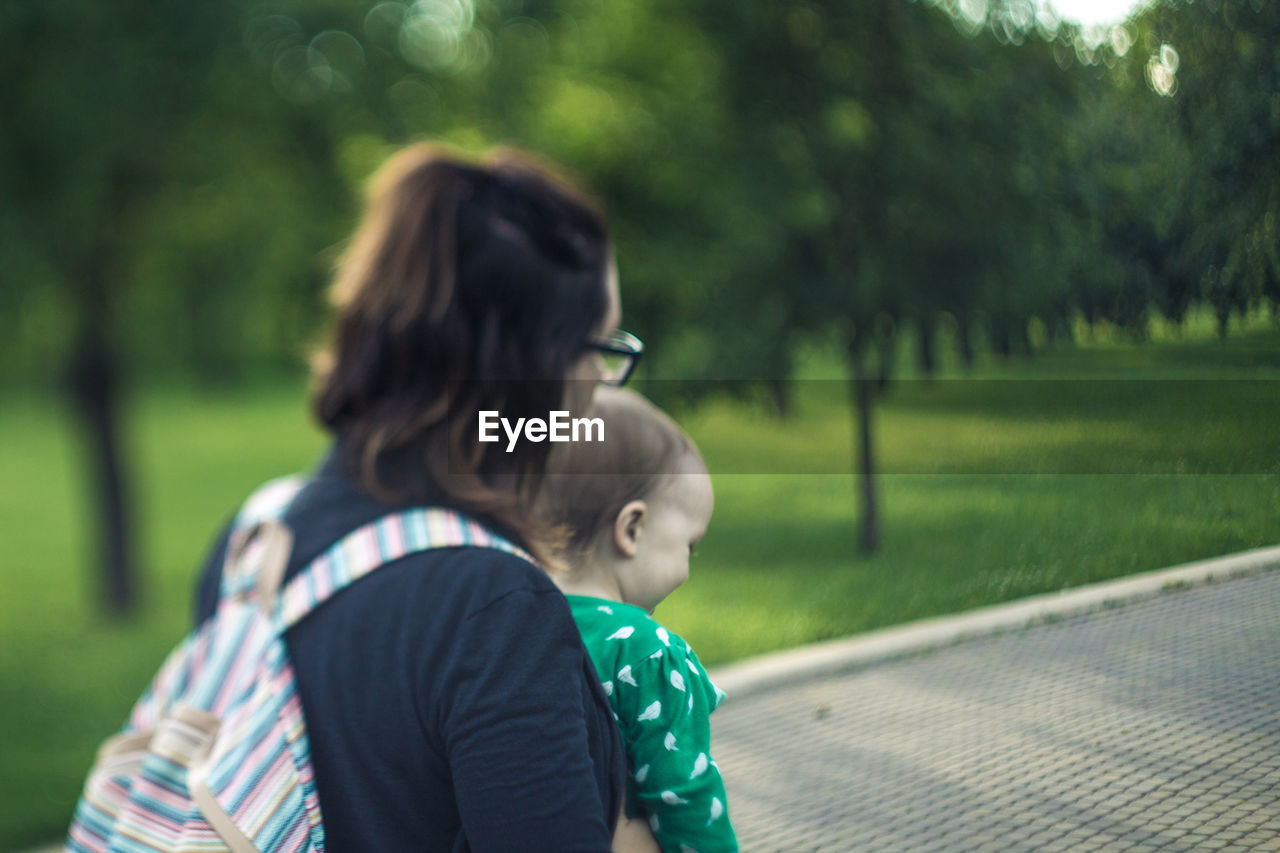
<point>1047,22</point>
<point>267,35</point>
<point>415,103</point>
<point>382,24</point>
<point>1162,71</point>
<point>432,34</point>
<point>975,11</point>
<point>302,75</point>
<point>1121,41</point>
<point>342,50</point>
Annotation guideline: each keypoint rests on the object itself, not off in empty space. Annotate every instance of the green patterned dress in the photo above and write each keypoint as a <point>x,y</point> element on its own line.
<point>663,699</point>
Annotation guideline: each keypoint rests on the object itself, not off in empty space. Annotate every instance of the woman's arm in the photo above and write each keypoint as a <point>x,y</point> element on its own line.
<point>519,727</point>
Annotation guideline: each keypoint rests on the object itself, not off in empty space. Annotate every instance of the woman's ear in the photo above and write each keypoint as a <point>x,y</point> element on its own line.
<point>628,526</point>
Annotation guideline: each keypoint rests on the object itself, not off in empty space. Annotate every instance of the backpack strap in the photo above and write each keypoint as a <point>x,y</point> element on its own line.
<point>259,544</point>
<point>367,548</point>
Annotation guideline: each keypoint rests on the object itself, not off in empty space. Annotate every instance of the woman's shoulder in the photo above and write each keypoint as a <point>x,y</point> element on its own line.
<point>494,573</point>
<point>456,583</point>
<point>332,508</point>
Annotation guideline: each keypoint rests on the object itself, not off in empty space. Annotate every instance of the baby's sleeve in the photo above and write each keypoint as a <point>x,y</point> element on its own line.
<point>664,705</point>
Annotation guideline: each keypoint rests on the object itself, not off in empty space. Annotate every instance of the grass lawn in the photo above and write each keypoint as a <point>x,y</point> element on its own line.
<point>1078,466</point>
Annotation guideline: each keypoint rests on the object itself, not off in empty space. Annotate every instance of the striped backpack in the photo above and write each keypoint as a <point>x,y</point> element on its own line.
<point>214,756</point>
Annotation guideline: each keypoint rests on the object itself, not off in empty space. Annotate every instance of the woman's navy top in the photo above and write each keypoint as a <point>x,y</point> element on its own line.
<point>449,701</point>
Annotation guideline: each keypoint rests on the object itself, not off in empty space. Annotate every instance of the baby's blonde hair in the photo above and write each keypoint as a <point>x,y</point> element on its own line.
<point>587,483</point>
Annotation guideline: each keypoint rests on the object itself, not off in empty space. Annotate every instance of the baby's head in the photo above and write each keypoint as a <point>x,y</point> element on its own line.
<point>631,507</point>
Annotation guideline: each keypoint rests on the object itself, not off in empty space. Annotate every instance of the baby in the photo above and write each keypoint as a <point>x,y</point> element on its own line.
<point>631,509</point>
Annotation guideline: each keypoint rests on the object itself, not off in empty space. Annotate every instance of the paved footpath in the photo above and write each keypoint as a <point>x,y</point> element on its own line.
<point>1152,724</point>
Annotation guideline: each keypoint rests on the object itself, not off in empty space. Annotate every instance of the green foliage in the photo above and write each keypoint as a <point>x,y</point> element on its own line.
<point>784,169</point>
<point>1219,63</point>
<point>151,190</point>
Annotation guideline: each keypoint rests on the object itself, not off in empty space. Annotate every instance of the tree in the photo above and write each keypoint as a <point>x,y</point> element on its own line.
<point>1218,63</point>
<point>73,165</point>
<point>910,169</point>
<point>124,116</point>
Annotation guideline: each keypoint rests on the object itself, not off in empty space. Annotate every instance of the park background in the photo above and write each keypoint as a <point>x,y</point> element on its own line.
<point>963,301</point>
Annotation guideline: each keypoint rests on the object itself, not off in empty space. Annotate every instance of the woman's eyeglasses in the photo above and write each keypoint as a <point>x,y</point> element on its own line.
<point>620,352</point>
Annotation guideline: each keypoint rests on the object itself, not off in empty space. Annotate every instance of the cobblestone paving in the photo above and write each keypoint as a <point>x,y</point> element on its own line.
<point>1148,726</point>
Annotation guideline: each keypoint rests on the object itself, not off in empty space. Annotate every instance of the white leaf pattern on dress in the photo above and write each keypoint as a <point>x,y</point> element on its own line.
<point>650,713</point>
<point>685,848</point>
<point>692,666</point>
<point>669,742</point>
<point>699,765</point>
<point>604,608</point>
<point>672,799</point>
<point>622,633</point>
<point>653,822</point>
<point>642,774</point>
<point>664,636</point>
<point>677,680</point>
<point>608,688</point>
<point>656,654</point>
<point>717,808</point>
<point>625,676</point>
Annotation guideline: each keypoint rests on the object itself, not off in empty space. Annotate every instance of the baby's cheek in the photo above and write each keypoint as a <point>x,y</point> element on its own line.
<point>682,574</point>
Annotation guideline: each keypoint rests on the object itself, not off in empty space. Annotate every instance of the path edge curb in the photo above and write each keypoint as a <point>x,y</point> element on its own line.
<point>830,657</point>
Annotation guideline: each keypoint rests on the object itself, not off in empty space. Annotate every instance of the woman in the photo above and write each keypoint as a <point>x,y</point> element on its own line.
<point>449,702</point>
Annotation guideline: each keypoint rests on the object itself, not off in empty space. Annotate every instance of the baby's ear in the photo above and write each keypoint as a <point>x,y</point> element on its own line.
<point>628,527</point>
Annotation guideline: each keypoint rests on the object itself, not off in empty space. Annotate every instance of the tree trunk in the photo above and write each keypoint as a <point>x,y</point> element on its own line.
<point>94,393</point>
<point>864,392</point>
<point>1023,334</point>
<point>965,336</point>
<point>1002,340</point>
<point>781,393</point>
<point>1061,334</point>
<point>928,361</point>
<point>884,357</point>
<point>93,383</point>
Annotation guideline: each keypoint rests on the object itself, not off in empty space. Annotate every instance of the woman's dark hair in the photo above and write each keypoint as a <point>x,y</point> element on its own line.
<point>467,287</point>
